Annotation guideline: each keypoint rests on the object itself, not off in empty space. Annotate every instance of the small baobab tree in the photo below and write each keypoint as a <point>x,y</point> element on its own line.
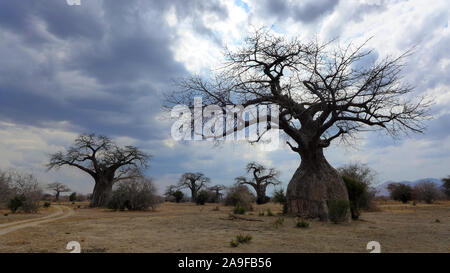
<point>105,161</point>
<point>58,188</point>
<point>217,191</point>
<point>261,178</point>
<point>194,182</point>
<point>324,92</point>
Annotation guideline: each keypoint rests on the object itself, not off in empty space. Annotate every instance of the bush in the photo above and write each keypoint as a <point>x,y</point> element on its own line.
<point>47,204</point>
<point>243,239</point>
<point>279,196</point>
<point>363,174</point>
<point>269,212</point>
<point>16,203</point>
<point>239,209</point>
<point>179,195</point>
<point>26,186</point>
<point>239,194</point>
<point>234,243</point>
<point>338,210</point>
<point>428,192</point>
<point>202,197</point>
<point>278,222</point>
<point>302,224</point>
<point>446,186</point>
<point>400,192</point>
<point>356,194</point>
<point>134,194</point>
<point>73,197</point>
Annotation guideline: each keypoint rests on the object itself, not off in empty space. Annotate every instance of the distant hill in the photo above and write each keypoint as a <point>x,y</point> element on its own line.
<point>382,188</point>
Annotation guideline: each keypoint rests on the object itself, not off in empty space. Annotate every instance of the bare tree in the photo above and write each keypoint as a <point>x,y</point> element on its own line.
<point>261,178</point>
<point>5,188</point>
<point>427,191</point>
<point>324,92</point>
<point>58,188</point>
<point>194,182</point>
<point>102,159</point>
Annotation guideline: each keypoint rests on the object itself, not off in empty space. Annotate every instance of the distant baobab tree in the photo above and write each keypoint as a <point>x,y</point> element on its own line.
<point>216,189</point>
<point>194,182</point>
<point>102,159</point>
<point>58,188</point>
<point>324,92</point>
<point>261,178</point>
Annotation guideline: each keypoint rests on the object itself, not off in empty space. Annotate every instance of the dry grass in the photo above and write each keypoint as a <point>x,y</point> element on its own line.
<point>190,228</point>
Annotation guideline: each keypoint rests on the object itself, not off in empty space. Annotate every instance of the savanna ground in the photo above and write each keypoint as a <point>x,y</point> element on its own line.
<point>187,227</point>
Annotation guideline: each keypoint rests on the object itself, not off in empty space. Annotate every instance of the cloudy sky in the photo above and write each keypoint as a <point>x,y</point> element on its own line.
<point>104,67</point>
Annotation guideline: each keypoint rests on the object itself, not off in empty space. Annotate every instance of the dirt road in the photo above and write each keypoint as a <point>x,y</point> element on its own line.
<point>62,212</point>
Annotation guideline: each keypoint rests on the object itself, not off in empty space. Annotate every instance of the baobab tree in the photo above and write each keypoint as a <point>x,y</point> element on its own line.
<point>261,178</point>
<point>216,189</point>
<point>194,182</point>
<point>58,188</point>
<point>104,161</point>
<point>324,92</point>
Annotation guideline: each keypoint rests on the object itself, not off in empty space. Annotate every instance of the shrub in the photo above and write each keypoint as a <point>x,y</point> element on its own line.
<point>338,210</point>
<point>239,209</point>
<point>234,243</point>
<point>202,197</point>
<point>279,196</point>
<point>302,224</point>
<point>243,239</point>
<point>261,213</point>
<point>16,203</point>
<point>446,186</point>
<point>239,194</point>
<point>47,204</point>
<point>73,197</point>
<point>400,192</point>
<point>356,194</point>
<point>178,196</point>
<point>27,187</point>
<point>363,174</point>
<point>134,194</point>
<point>428,192</point>
<point>278,222</point>
<point>269,212</point>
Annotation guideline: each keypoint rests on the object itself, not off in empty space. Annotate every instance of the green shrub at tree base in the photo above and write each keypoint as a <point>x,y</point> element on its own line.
<point>338,210</point>
<point>357,192</point>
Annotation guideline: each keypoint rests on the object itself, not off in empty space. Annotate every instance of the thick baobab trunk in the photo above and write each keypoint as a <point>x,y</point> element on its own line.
<point>102,192</point>
<point>314,185</point>
<point>193,195</point>
<point>261,197</point>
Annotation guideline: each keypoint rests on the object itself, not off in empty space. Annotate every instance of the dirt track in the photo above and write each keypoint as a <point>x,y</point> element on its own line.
<point>62,212</point>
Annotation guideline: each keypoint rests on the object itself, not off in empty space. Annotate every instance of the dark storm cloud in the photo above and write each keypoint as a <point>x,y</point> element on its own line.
<point>123,46</point>
<point>304,11</point>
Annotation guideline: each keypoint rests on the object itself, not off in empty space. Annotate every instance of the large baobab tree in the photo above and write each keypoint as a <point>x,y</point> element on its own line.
<point>102,159</point>
<point>261,178</point>
<point>194,182</point>
<point>58,188</point>
<point>324,92</point>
